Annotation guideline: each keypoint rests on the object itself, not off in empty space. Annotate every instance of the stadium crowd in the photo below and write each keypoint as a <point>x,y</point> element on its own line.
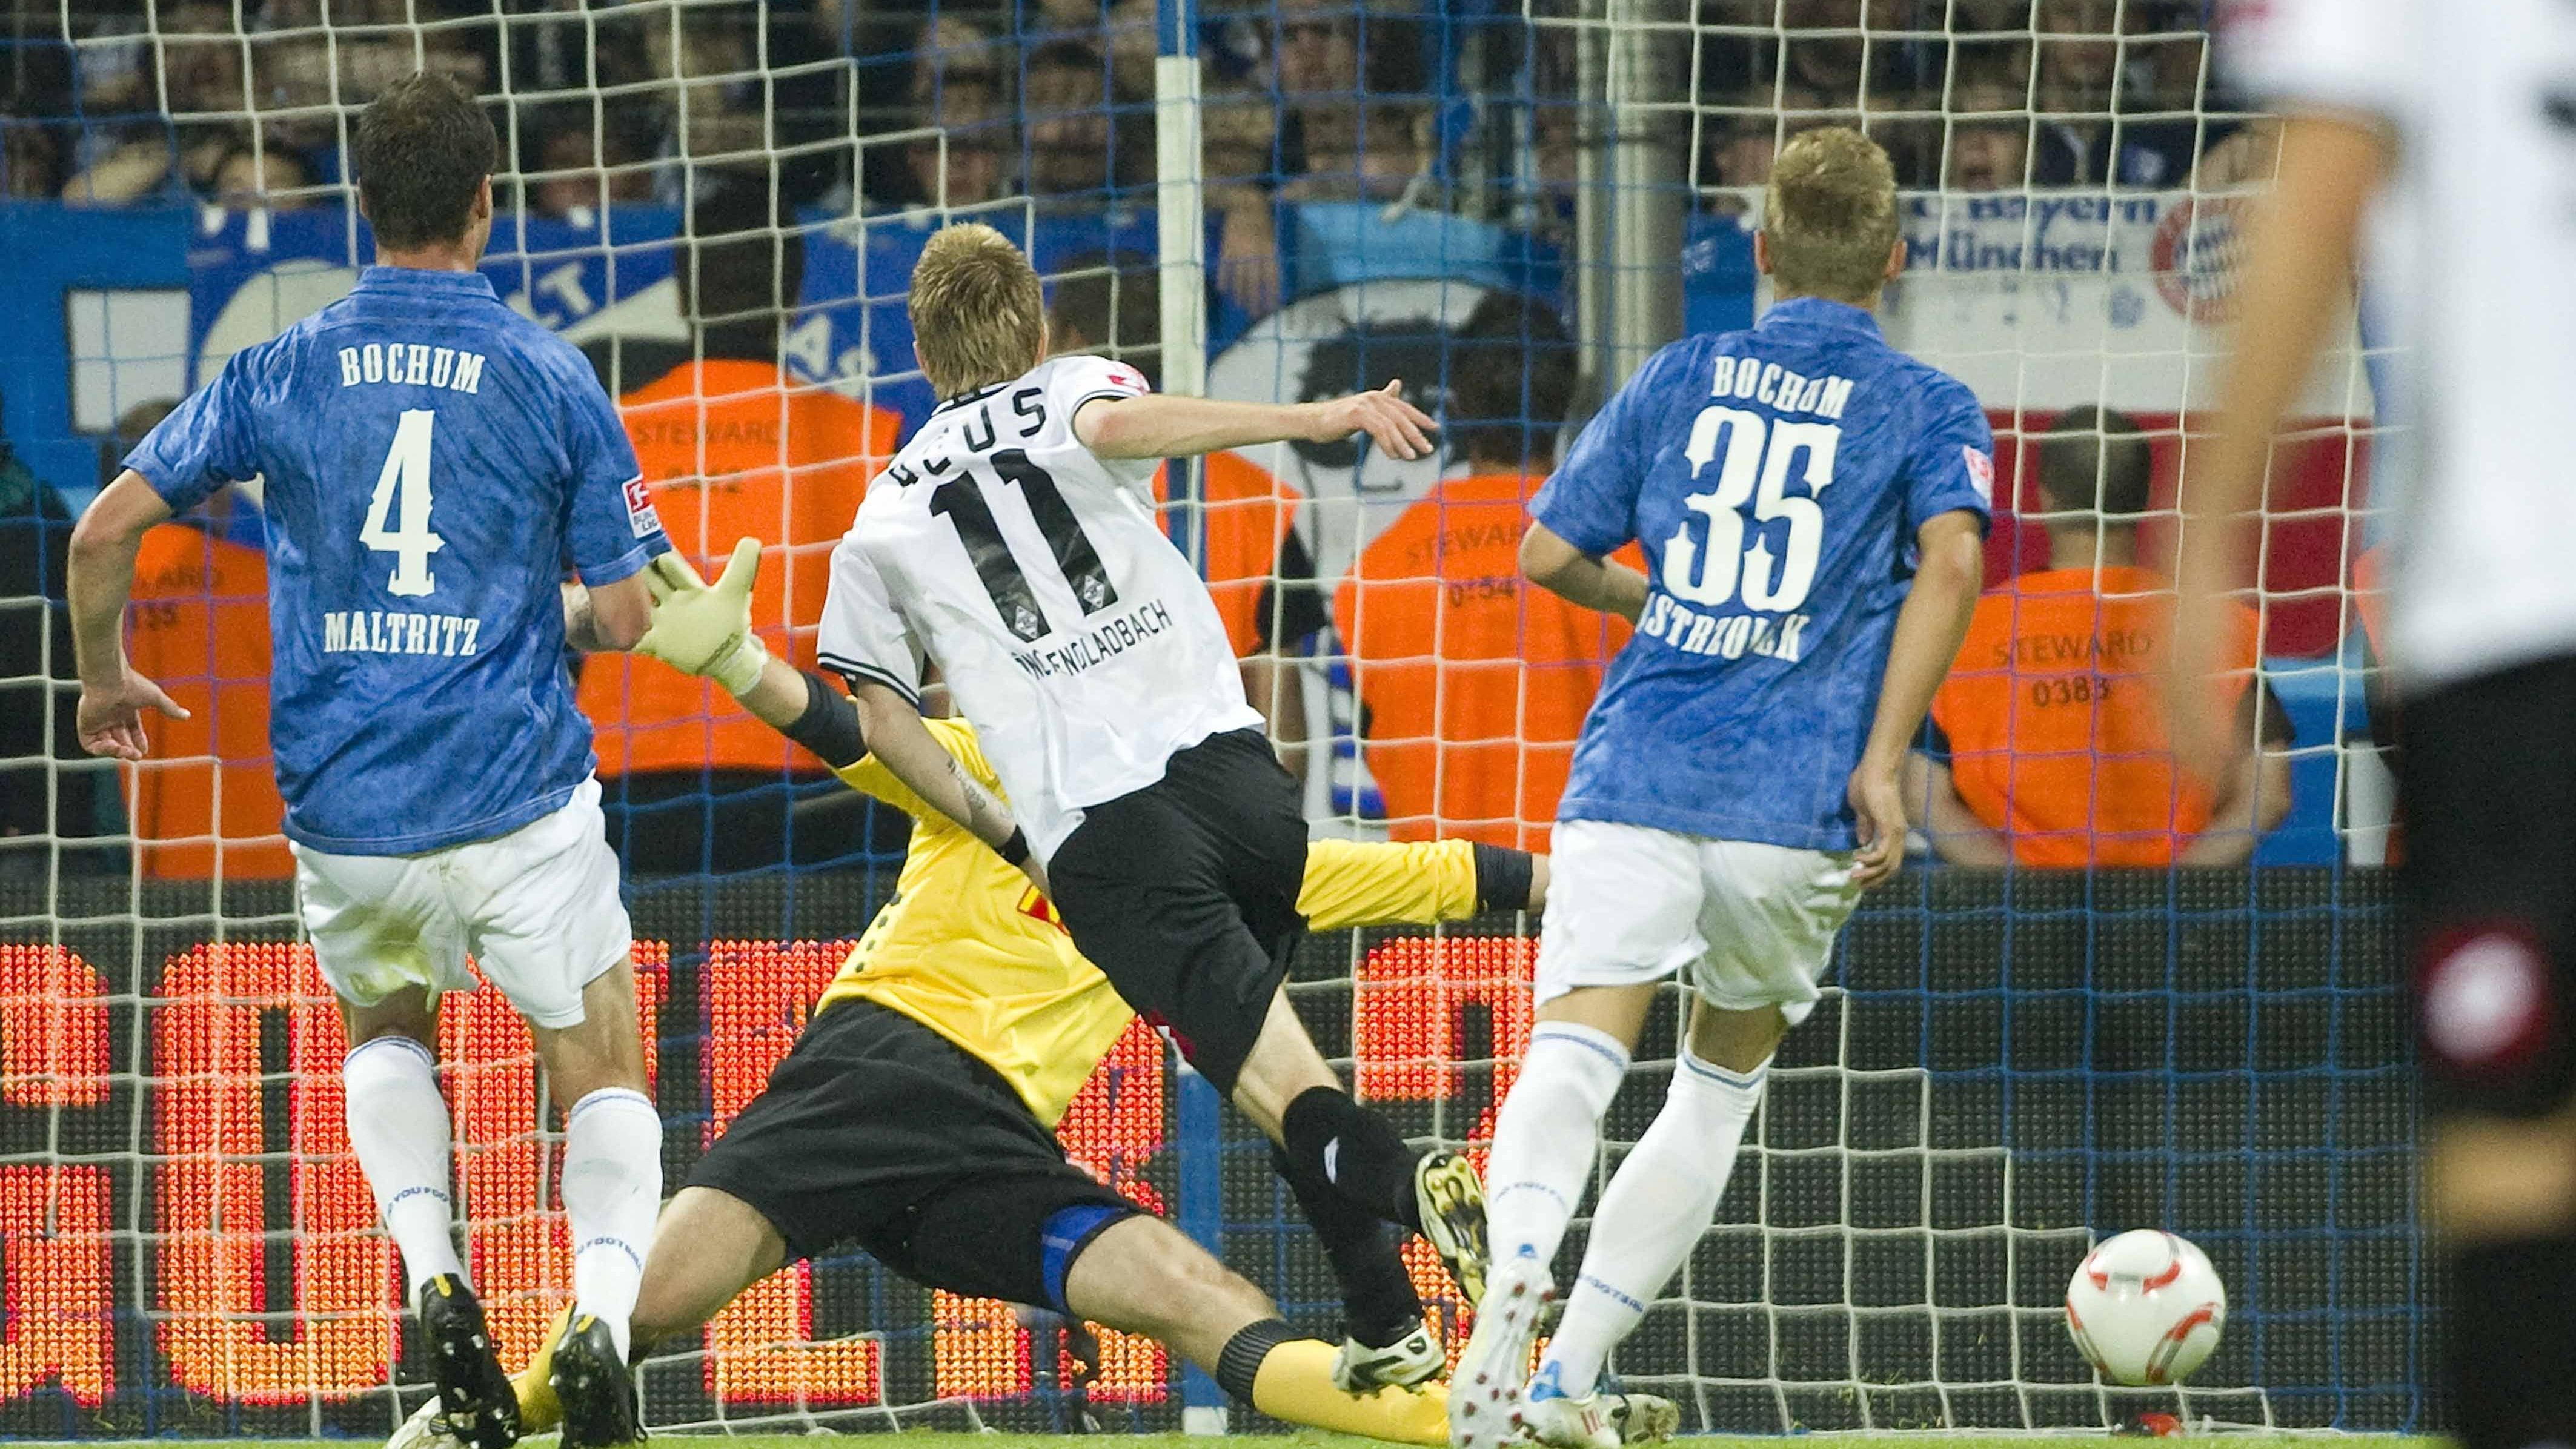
<point>1469,687</point>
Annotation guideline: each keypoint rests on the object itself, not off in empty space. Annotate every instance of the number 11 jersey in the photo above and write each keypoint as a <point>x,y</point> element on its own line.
<point>1035,574</point>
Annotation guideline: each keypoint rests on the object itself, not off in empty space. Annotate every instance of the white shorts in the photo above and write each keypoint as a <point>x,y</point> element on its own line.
<point>1754,924</point>
<point>537,908</point>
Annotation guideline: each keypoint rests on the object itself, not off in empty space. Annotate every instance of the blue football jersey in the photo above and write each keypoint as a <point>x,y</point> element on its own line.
<point>1775,478</point>
<point>434,463</point>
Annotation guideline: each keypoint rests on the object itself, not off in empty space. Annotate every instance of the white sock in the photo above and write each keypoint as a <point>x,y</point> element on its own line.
<point>612,1187</point>
<point>1658,1204</point>
<point>398,1124</point>
<point>1545,1138</point>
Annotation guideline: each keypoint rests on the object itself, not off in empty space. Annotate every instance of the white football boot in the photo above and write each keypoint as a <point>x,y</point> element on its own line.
<point>1410,1360</point>
<point>1485,1392</point>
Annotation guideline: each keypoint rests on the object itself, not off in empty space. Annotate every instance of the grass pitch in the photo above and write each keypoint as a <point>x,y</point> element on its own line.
<point>1314,1440</point>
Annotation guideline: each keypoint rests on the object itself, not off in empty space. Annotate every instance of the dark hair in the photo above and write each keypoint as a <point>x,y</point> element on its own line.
<point>741,263</point>
<point>1114,311</point>
<point>1511,378</point>
<point>1070,55</point>
<point>2091,444</point>
<point>423,148</point>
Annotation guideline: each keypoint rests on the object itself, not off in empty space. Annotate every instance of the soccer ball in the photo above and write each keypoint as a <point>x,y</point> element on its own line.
<point>2145,1308</point>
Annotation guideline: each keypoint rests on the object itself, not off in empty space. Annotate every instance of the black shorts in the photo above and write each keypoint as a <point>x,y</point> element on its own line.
<point>1185,893</point>
<point>2487,793</point>
<point>878,1131</point>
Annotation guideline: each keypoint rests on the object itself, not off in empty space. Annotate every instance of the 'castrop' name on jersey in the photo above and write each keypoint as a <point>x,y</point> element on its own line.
<point>1070,630</point>
<point>433,462</point>
<point>1776,478</point>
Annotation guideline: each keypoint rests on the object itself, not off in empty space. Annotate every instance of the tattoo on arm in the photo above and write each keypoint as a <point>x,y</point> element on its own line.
<point>987,818</point>
<point>581,629</point>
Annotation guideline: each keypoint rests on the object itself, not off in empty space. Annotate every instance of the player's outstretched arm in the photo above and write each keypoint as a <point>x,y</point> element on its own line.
<point>1928,630</point>
<point>104,543</point>
<point>1580,579</point>
<point>705,629</point>
<point>1157,426</point>
<point>907,748</point>
<point>2297,272</point>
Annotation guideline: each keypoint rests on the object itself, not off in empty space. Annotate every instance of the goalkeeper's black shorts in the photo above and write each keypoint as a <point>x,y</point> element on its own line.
<point>2487,871</point>
<point>877,1131</point>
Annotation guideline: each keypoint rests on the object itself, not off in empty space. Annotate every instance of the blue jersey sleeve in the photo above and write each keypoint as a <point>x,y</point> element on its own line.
<point>610,528</point>
<point>208,441</point>
<point>1591,501</point>
<point>1953,463</point>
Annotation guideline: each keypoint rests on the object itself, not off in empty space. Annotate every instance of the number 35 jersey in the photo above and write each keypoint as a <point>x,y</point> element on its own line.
<point>1071,633</point>
<point>1776,478</point>
<point>434,464</point>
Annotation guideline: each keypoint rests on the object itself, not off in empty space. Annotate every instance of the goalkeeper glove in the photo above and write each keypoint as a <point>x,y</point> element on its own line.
<point>705,629</point>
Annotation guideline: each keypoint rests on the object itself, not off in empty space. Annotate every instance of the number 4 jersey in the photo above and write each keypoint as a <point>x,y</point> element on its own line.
<point>434,464</point>
<point>1776,478</point>
<point>1075,637</point>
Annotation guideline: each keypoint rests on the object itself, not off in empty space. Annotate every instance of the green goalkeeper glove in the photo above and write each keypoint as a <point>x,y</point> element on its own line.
<point>705,629</point>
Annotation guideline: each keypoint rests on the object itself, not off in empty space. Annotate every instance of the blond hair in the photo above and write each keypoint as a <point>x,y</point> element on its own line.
<point>978,313</point>
<point>1829,215</point>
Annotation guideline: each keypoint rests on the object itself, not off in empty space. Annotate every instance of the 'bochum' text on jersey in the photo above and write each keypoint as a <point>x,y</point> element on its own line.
<point>434,461</point>
<point>1776,478</point>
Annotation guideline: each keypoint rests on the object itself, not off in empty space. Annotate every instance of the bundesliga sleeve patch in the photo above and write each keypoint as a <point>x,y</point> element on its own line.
<point>1981,471</point>
<point>639,508</point>
<point>1121,375</point>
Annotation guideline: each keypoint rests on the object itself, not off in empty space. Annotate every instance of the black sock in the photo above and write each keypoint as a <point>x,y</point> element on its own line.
<point>1378,1301</point>
<point>1337,1141</point>
<point>2511,1338</point>
<point>1238,1364</point>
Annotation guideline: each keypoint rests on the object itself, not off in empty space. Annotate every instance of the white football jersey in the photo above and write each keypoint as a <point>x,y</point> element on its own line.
<point>2469,258</point>
<point>1076,638</point>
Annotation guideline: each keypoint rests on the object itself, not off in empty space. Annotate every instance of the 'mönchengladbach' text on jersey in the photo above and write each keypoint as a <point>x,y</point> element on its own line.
<point>433,461</point>
<point>1072,633</point>
<point>1775,478</point>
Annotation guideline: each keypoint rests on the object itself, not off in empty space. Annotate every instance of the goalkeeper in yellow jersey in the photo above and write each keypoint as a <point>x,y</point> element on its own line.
<point>914,1115</point>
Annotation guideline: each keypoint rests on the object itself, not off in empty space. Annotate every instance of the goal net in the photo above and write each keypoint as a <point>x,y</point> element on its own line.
<point>2102,996</point>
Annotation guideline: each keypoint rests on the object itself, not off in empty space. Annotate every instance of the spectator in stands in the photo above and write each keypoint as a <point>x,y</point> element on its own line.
<point>274,180</point>
<point>1989,143</point>
<point>206,804</point>
<point>1122,30</point>
<point>1081,153</point>
<point>711,99</point>
<point>581,168</point>
<point>1243,530</point>
<point>2049,740</point>
<point>30,162</point>
<point>1344,133</point>
<point>35,544</point>
<point>1472,683</point>
<point>732,445</point>
<point>958,92</point>
<point>200,53</point>
<point>1333,115</point>
<point>2087,98</point>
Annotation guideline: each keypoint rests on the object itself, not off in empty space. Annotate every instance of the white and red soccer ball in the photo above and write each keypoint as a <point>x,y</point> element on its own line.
<point>2145,1308</point>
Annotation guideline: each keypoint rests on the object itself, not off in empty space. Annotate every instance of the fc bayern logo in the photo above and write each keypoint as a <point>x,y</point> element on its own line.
<point>2194,258</point>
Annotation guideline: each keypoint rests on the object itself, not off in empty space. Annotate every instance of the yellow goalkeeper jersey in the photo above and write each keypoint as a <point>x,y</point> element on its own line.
<point>968,948</point>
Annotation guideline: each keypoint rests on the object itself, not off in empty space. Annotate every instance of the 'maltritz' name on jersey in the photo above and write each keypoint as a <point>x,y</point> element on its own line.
<point>378,631</point>
<point>1094,645</point>
<point>412,364</point>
